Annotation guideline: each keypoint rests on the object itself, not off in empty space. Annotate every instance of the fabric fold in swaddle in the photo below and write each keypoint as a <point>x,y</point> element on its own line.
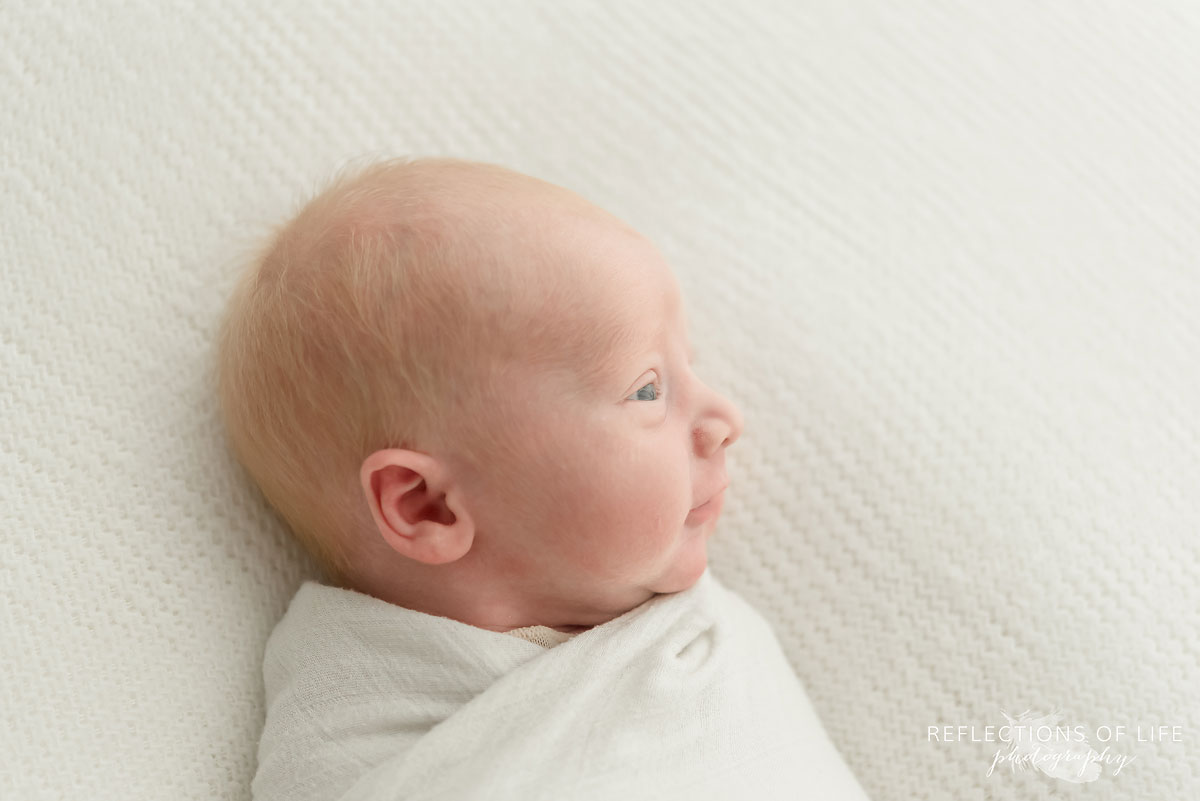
<point>686,696</point>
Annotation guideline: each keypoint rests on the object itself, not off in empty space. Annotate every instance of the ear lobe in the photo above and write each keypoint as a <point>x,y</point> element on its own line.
<point>413,517</point>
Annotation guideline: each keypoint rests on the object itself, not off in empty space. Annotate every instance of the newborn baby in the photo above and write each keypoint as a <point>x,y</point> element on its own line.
<point>470,395</point>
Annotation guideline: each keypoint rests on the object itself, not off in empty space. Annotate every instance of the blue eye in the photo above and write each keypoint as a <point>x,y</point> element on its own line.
<point>657,392</point>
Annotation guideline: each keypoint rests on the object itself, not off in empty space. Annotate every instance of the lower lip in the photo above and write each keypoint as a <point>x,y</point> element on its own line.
<point>707,511</point>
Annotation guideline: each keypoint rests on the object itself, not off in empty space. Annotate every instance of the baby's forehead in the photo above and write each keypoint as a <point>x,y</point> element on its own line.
<point>604,340</point>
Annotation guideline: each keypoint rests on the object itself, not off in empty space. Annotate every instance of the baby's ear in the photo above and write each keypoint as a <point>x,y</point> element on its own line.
<point>404,491</point>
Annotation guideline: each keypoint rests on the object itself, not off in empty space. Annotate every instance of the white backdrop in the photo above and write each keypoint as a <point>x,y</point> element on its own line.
<point>944,256</point>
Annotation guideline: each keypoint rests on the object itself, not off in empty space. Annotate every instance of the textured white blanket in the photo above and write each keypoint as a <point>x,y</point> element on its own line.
<point>686,696</point>
<point>943,255</point>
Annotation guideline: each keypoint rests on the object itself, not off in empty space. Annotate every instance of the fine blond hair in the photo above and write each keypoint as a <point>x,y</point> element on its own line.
<point>346,333</point>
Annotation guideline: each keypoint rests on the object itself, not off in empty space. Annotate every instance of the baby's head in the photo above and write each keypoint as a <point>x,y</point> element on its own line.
<point>469,392</point>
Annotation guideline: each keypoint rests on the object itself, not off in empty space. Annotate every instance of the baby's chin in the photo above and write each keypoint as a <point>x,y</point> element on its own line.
<point>686,568</point>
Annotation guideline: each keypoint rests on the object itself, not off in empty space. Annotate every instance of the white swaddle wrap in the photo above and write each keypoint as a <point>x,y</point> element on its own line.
<point>686,696</point>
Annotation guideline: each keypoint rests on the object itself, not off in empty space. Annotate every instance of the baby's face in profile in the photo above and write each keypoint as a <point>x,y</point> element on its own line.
<point>615,471</point>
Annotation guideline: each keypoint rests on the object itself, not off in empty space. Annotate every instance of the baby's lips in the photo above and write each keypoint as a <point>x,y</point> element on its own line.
<point>714,494</point>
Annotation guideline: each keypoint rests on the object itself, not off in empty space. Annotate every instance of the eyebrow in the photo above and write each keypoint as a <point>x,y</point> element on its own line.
<point>622,346</point>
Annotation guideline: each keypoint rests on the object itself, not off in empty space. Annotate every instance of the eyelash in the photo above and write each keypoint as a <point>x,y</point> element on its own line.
<point>657,389</point>
<point>657,384</point>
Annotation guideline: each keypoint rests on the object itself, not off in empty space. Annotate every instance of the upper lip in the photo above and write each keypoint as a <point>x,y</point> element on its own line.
<point>721,489</point>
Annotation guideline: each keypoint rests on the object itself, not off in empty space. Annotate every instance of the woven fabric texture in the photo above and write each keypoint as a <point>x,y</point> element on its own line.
<point>943,256</point>
<point>542,635</point>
